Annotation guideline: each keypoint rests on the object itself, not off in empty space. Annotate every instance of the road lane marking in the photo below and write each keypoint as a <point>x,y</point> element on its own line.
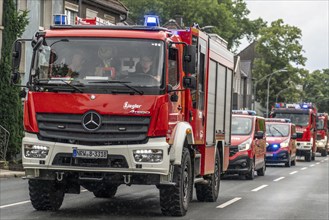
<point>84,190</point>
<point>13,204</point>
<point>318,163</point>
<point>278,179</point>
<point>259,188</point>
<point>228,203</point>
<point>293,172</point>
<point>304,168</point>
<point>326,159</point>
<point>312,165</point>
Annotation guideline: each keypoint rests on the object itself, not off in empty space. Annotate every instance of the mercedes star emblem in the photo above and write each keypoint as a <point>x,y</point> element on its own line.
<point>91,121</point>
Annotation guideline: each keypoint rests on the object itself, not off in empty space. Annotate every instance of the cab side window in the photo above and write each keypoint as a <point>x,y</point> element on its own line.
<point>172,67</point>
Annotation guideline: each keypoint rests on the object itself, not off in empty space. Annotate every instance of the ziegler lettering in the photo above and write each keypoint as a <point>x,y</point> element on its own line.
<point>126,105</point>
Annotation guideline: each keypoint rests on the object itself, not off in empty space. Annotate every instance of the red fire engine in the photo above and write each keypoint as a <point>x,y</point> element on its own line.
<point>304,117</point>
<point>111,105</point>
<point>322,142</point>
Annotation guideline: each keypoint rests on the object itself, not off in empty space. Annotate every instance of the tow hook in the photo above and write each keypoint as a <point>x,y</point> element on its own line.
<point>127,179</point>
<point>59,176</point>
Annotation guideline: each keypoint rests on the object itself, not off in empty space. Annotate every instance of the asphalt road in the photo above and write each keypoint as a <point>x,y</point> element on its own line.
<point>299,192</point>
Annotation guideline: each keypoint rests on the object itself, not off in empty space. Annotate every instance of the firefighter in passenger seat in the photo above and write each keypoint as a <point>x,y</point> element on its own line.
<point>109,65</point>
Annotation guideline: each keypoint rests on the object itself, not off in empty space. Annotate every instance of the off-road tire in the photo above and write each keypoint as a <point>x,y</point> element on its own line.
<point>251,174</point>
<point>308,157</point>
<point>288,163</point>
<point>46,194</point>
<point>174,200</point>
<point>209,192</point>
<point>105,191</point>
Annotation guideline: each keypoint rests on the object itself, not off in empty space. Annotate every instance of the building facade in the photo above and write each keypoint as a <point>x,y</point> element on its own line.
<point>1,25</point>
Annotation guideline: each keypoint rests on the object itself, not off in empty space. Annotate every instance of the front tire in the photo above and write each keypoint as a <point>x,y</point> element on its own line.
<point>174,200</point>
<point>209,192</point>
<point>251,174</point>
<point>288,163</point>
<point>261,171</point>
<point>46,194</point>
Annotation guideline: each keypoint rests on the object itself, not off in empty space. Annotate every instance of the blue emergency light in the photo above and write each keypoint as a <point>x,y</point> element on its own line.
<point>151,21</point>
<point>60,19</point>
<point>275,145</point>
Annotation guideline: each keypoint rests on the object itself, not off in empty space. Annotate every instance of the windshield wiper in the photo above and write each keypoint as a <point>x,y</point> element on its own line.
<point>119,82</point>
<point>60,80</point>
<point>278,131</point>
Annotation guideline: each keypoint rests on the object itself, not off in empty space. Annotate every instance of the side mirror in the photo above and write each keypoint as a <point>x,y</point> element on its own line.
<point>16,60</point>
<point>189,82</point>
<point>189,59</point>
<point>259,135</point>
<point>294,136</point>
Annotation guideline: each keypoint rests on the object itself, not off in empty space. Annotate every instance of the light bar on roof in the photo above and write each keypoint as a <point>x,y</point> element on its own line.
<point>286,120</point>
<point>243,112</point>
<point>151,21</point>
<point>60,19</point>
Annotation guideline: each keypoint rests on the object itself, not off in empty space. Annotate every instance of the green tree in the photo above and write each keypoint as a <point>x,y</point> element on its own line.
<point>228,17</point>
<point>278,46</point>
<point>10,105</point>
<point>316,89</point>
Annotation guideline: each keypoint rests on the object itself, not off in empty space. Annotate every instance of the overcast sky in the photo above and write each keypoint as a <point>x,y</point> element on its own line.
<point>311,16</point>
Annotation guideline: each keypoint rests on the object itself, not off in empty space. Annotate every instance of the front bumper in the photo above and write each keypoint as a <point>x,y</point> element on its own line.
<point>60,157</point>
<point>239,165</point>
<point>277,157</point>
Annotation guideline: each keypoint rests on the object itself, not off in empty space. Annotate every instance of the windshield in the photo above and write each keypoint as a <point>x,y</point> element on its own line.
<point>241,126</point>
<point>137,62</point>
<point>297,119</point>
<point>277,130</point>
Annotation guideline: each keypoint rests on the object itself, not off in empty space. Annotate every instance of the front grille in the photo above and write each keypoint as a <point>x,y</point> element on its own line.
<point>271,148</point>
<point>113,161</point>
<point>299,135</point>
<point>233,150</point>
<point>68,128</point>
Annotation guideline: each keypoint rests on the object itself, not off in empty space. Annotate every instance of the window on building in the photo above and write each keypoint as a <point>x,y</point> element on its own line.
<point>71,11</point>
<point>91,13</point>
<point>109,18</point>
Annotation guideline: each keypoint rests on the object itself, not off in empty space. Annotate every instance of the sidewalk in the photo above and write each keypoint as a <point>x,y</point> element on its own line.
<point>11,173</point>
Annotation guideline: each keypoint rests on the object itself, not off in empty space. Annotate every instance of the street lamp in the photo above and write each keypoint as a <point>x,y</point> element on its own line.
<point>268,86</point>
<point>261,79</point>
<point>277,95</point>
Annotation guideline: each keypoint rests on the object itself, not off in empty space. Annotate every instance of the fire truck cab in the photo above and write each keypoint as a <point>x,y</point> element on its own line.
<point>303,115</point>
<point>322,142</point>
<point>111,105</point>
<point>248,148</point>
<point>281,141</point>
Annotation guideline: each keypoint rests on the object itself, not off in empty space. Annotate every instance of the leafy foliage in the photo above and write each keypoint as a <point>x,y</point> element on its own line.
<point>316,89</point>
<point>278,47</point>
<point>10,103</point>
<point>228,17</point>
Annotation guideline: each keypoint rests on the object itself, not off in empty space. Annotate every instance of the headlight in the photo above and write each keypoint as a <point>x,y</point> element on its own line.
<point>35,151</point>
<point>245,145</point>
<point>148,156</point>
<point>285,143</point>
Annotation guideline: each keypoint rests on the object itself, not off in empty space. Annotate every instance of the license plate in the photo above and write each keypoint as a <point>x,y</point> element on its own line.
<point>269,155</point>
<point>102,154</point>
